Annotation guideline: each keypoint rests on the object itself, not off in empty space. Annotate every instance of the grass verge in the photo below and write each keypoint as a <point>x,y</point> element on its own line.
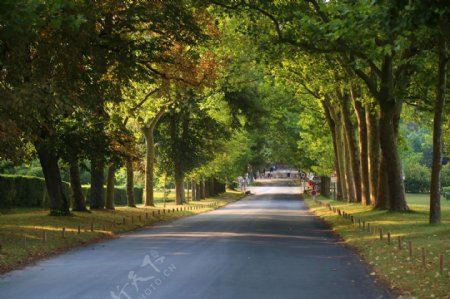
<point>27,235</point>
<point>412,276</point>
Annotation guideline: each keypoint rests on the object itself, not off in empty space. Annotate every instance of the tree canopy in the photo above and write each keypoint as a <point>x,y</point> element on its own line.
<point>205,89</point>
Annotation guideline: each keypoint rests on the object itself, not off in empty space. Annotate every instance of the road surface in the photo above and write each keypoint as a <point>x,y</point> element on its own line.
<point>266,246</point>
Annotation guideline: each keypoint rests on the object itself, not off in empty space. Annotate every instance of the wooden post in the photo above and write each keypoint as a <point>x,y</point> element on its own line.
<point>399,243</point>
<point>123,221</point>
<point>92,226</point>
<point>381,233</point>
<point>79,229</point>
<point>63,233</point>
<point>389,237</point>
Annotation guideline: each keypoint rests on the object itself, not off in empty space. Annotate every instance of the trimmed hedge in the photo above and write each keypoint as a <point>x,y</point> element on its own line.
<point>120,195</point>
<point>28,191</point>
<point>25,191</point>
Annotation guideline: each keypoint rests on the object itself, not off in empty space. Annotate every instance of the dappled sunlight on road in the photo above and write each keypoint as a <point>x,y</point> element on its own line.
<point>270,212</point>
<point>210,234</point>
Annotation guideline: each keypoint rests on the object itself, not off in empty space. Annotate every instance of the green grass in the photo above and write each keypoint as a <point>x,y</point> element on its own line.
<point>22,230</point>
<point>393,265</point>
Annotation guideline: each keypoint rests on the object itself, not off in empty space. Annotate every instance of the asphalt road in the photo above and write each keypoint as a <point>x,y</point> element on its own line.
<point>266,246</point>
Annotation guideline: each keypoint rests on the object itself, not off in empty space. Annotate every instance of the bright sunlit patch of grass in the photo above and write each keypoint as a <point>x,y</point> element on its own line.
<point>22,231</point>
<point>390,263</point>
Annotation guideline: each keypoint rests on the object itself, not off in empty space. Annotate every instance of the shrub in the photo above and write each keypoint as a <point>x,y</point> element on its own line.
<point>417,178</point>
<point>445,175</point>
<point>446,191</point>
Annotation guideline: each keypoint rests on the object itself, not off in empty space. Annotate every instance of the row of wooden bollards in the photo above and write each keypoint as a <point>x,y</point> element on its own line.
<point>379,230</point>
<point>140,218</point>
<point>168,211</point>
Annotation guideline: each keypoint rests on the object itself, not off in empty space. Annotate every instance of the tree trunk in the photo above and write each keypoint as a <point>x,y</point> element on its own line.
<point>202,189</point>
<point>58,203</point>
<point>97,180</point>
<point>332,127</point>
<point>341,161</point>
<point>390,109</point>
<point>349,181</point>
<point>363,151</point>
<point>198,192</point>
<point>206,188</point>
<point>149,166</point>
<point>194,190</point>
<point>325,183</point>
<point>340,147</point>
<point>373,151</point>
<point>188,195</point>
<point>435,187</point>
<point>147,131</point>
<point>382,201</point>
<point>388,143</point>
<point>78,202</point>
<point>130,183</point>
<point>352,147</point>
<point>212,190</point>
<point>179,190</point>
<point>110,180</point>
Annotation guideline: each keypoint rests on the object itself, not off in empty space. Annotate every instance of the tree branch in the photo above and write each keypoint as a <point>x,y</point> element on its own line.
<point>147,96</point>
